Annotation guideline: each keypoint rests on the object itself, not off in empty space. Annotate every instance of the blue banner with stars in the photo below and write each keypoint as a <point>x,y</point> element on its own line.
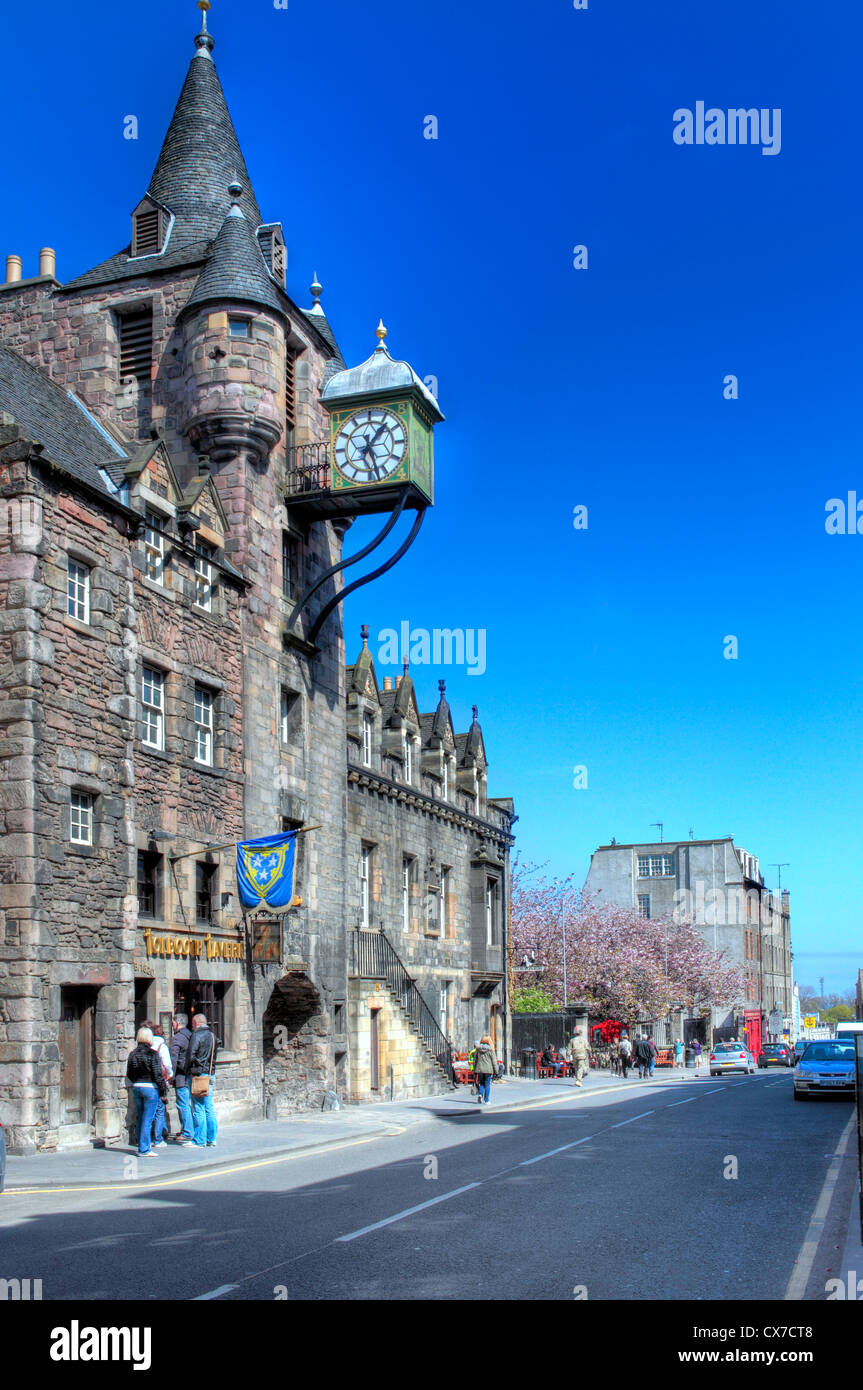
<point>265,871</point>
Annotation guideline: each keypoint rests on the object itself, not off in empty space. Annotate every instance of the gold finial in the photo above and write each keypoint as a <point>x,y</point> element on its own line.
<point>380,333</point>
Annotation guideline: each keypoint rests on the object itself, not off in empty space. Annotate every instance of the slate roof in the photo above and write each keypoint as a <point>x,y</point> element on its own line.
<point>319,321</point>
<point>200,156</point>
<point>236,269</point>
<point>50,415</point>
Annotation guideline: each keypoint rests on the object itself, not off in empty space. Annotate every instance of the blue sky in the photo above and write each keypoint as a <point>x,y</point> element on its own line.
<point>601,387</point>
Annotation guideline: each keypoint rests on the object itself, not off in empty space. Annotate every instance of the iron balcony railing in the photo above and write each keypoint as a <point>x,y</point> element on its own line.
<point>374,958</point>
<point>309,468</point>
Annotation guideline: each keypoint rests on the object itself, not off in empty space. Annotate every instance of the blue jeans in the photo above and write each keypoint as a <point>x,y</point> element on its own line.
<point>483,1080</point>
<point>184,1110</point>
<point>204,1114</point>
<point>146,1100</point>
<point>160,1128</point>
<point>652,1065</point>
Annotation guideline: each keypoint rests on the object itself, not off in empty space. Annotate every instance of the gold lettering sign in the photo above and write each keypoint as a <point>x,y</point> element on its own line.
<point>196,947</point>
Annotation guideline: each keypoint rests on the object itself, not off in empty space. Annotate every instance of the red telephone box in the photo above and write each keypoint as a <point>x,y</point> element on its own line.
<point>752,1025</point>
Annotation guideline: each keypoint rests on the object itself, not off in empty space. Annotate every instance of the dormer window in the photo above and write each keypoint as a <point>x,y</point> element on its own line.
<point>149,224</point>
<point>272,245</point>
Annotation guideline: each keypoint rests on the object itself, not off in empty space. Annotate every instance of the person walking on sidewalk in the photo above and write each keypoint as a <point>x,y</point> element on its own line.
<point>577,1054</point>
<point>202,1057</point>
<point>653,1055</point>
<point>624,1053</point>
<point>485,1066</point>
<point>181,1044</point>
<point>161,1121</point>
<point>144,1070</point>
<point>643,1056</point>
<point>678,1052</point>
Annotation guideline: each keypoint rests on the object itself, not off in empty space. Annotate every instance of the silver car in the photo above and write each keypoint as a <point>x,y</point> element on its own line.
<point>731,1056</point>
<point>826,1068</point>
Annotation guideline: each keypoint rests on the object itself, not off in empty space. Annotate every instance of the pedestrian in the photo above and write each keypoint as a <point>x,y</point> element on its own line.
<point>678,1052</point>
<point>161,1122</point>
<point>577,1054</point>
<point>643,1056</point>
<point>144,1070</point>
<point>202,1058</point>
<point>485,1065</point>
<point>653,1055</point>
<point>624,1052</point>
<point>181,1062</point>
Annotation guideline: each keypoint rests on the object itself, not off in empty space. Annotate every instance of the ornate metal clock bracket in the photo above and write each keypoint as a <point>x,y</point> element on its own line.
<point>308,645</point>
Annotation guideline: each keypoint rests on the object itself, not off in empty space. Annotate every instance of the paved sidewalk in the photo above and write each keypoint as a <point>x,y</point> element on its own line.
<point>256,1142</point>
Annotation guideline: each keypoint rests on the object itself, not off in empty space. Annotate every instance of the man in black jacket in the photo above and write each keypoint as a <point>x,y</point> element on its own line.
<point>644,1054</point>
<point>181,1062</point>
<point>202,1058</point>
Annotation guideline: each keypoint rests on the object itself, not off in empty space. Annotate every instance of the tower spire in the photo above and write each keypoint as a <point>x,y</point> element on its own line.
<point>204,42</point>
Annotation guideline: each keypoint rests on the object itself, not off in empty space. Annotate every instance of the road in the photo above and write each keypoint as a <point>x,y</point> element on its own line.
<point>698,1190</point>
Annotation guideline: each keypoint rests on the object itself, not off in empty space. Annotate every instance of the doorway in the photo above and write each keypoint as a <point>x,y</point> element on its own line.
<point>77,1054</point>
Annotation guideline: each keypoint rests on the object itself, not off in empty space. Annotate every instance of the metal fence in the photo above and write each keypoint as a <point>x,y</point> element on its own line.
<point>374,958</point>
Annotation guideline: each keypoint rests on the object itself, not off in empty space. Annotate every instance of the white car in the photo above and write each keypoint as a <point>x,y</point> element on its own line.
<point>825,1068</point>
<point>731,1056</point>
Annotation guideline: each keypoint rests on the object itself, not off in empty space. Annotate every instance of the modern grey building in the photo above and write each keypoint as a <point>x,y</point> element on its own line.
<point>719,886</point>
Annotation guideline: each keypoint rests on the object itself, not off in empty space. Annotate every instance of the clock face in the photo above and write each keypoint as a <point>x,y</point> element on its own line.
<point>370,445</point>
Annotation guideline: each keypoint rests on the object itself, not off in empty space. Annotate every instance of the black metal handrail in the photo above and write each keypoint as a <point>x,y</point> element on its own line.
<point>309,468</point>
<point>373,958</point>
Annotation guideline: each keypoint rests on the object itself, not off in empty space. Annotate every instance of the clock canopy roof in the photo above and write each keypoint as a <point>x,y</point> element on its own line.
<point>380,375</point>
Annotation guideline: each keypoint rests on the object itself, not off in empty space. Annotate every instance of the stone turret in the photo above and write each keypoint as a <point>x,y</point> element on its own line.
<point>234,350</point>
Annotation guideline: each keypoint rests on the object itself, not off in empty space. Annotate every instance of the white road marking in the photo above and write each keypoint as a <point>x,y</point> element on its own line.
<point>400,1215</point>
<point>803,1264</point>
<point>527,1161</point>
<point>215,1293</point>
<point>632,1119</point>
<point>688,1101</point>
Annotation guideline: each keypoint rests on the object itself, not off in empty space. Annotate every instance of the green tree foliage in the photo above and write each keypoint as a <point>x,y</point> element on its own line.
<point>532,1000</point>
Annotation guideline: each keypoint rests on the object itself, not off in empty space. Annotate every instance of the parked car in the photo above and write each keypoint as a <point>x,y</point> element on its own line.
<point>731,1056</point>
<point>826,1068</point>
<point>775,1055</point>
<point>2,1158</point>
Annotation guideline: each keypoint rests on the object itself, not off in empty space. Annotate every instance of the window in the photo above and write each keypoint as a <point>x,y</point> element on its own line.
<point>656,866</point>
<point>368,735</point>
<point>81,818</point>
<point>289,564</point>
<point>78,592</point>
<point>136,346</point>
<point>205,892</point>
<point>444,890</point>
<point>204,577</point>
<point>153,707</point>
<point>444,791</point>
<point>148,229</point>
<point>212,998</point>
<point>203,725</point>
<point>492,902</point>
<point>154,548</point>
<point>149,884</point>
<point>407,879</point>
<point>644,904</point>
<point>365,882</point>
<point>409,758</point>
<point>239,328</point>
<point>444,1002</point>
<point>291,718</point>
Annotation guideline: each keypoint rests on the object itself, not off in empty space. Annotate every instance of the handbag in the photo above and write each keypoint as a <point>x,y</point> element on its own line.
<point>201,1084</point>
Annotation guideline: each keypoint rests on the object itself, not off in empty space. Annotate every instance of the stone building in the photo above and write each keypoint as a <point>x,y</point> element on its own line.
<point>720,887</point>
<point>430,854</point>
<point>156,703</point>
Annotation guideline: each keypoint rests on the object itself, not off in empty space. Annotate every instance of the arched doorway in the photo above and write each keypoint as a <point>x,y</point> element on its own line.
<point>296,1047</point>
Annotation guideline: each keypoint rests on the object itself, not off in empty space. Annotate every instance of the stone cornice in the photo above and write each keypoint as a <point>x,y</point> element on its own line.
<point>411,796</point>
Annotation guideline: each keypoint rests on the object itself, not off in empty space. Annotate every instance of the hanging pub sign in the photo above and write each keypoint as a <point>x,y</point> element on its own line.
<point>266,935</point>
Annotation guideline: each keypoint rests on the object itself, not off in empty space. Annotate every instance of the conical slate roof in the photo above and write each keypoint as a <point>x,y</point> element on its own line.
<point>236,269</point>
<point>200,156</point>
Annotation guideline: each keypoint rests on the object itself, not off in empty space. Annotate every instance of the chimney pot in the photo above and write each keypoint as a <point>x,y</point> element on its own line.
<point>13,269</point>
<point>388,682</point>
<point>48,262</point>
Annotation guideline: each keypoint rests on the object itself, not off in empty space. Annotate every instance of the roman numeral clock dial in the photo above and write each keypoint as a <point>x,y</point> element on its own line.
<point>370,445</point>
